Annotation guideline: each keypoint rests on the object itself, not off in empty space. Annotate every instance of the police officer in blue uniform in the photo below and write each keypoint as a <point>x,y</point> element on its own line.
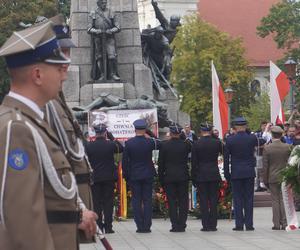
<point>101,156</point>
<point>173,174</point>
<point>138,170</point>
<point>239,154</point>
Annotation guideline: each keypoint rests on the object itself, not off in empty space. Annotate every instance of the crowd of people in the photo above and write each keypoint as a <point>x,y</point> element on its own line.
<point>184,156</point>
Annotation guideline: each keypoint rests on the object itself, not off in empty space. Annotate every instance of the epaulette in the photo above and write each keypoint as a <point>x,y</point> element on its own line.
<point>13,114</point>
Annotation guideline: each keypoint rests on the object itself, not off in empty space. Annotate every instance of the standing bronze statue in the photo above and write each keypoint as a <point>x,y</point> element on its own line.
<point>102,26</point>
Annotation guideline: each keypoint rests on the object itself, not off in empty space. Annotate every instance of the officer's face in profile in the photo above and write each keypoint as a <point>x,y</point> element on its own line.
<point>51,77</point>
<point>67,53</point>
<point>102,4</point>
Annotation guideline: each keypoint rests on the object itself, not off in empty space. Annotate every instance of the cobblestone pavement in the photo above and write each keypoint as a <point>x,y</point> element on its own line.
<point>263,237</point>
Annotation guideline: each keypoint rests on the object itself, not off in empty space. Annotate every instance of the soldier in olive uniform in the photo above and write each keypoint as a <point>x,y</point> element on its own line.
<point>38,201</point>
<point>61,120</point>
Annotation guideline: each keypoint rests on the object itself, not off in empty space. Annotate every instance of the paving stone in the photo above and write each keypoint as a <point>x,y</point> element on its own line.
<point>160,238</point>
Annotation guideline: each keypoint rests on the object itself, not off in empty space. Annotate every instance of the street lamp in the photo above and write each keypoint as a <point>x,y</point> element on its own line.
<point>290,66</point>
<point>228,97</point>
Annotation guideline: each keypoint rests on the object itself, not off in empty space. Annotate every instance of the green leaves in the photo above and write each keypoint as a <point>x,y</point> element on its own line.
<point>11,13</point>
<point>283,21</point>
<point>196,44</point>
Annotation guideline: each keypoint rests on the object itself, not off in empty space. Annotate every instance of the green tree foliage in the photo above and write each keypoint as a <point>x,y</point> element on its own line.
<point>257,112</point>
<point>196,44</point>
<point>283,21</point>
<point>64,7</point>
<point>12,12</point>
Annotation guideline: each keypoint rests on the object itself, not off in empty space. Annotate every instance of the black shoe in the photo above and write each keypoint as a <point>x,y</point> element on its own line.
<point>250,228</point>
<point>275,228</point>
<point>204,229</point>
<point>259,189</point>
<point>180,230</point>
<point>147,231</point>
<point>109,231</point>
<point>173,230</point>
<point>139,231</point>
<point>213,229</point>
<point>237,229</point>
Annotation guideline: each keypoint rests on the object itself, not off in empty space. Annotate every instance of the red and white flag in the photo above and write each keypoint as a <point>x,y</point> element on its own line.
<point>279,88</point>
<point>220,107</point>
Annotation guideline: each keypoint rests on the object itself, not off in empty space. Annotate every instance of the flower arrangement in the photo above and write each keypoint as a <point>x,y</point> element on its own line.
<point>291,174</point>
<point>225,200</point>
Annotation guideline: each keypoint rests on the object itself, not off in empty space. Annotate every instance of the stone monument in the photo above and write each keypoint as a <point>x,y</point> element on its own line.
<point>135,77</point>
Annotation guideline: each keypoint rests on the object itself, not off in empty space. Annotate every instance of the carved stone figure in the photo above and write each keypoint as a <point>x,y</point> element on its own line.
<point>110,102</point>
<point>170,28</point>
<point>103,24</point>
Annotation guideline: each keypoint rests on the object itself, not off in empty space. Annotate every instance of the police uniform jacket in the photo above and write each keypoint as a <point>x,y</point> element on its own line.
<point>27,196</point>
<point>205,154</point>
<point>173,160</point>
<point>101,156</point>
<point>137,161</point>
<point>239,152</point>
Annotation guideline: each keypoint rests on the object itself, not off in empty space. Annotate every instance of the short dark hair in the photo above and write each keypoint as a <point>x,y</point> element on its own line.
<point>263,122</point>
<point>276,135</point>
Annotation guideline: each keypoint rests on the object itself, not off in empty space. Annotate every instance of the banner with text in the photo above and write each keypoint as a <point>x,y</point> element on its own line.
<point>120,122</point>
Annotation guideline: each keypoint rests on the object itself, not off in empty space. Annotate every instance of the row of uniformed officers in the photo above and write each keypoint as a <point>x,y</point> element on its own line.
<point>173,173</point>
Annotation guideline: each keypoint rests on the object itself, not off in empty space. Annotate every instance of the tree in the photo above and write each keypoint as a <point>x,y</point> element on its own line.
<point>283,21</point>
<point>257,112</point>
<point>195,45</point>
<point>14,11</point>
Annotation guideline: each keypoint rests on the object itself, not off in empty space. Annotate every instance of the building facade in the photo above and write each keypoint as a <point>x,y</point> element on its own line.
<point>240,19</point>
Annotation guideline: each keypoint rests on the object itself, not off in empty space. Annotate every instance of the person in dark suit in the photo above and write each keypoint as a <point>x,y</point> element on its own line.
<point>239,154</point>
<point>138,170</point>
<point>174,175</point>
<point>206,175</point>
<point>101,156</point>
<point>275,158</point>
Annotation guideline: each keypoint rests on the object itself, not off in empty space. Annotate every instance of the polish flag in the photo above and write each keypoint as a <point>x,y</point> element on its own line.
<point>220,107</point>
<point>279,88</point>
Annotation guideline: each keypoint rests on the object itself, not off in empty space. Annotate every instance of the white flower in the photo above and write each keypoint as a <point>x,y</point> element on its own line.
<point>293,160</point>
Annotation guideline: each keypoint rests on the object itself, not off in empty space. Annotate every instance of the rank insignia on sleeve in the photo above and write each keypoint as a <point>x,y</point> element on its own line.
<point>18,159</point>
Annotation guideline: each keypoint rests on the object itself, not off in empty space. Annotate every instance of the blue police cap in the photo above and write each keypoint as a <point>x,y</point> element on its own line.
<point>206,126</point>
<point>140,124</point>
<point>99,129</point>
<point>60,28</point>
<point>32,45</point>
<point>62,31</point>
<point>239,121</point>
<point>175,129</point>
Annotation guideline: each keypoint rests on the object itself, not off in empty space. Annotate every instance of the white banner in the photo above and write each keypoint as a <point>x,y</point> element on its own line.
<point>120,122</point>
<point>289,207</point>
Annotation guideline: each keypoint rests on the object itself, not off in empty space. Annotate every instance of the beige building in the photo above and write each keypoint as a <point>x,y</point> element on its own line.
<point>168,8</point>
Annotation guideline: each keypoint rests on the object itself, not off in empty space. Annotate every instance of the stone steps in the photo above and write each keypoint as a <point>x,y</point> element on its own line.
<point>262,199</point>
